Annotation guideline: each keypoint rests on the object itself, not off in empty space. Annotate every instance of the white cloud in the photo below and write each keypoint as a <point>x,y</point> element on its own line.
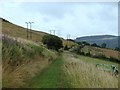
<point>77,19</point>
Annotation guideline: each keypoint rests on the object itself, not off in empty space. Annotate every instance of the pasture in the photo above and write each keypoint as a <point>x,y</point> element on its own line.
<point>82,74</point>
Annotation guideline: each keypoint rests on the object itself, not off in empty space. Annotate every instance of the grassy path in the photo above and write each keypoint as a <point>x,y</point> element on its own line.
<point>50,77</point>
<point>68,71</point>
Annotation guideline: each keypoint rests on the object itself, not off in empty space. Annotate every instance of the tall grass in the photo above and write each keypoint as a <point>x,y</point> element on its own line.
<point>21,61</point>
<point>50,77</point>
<point>80,74</point>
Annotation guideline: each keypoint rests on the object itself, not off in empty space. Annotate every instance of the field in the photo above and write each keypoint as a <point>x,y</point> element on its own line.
<point>81,74</point>
<point>27,63</point>
<point>101,51</point>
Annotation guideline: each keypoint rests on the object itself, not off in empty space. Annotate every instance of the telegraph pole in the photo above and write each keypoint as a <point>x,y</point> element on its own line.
<point>68,36</point>
<point>54,32</point>
<point>30,29</point>
<point>50,31</point>
<point>27,29</point>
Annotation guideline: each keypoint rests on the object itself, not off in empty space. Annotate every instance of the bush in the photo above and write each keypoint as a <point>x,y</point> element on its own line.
<point>113,59</point>
<point>85,43</point>
<point>117,48</point>
<point>95,45</point>
<point>88,54</point>
<point>103,45</point>
<point>101,56</point>
<point>66,47</point>
<point>52,42</point>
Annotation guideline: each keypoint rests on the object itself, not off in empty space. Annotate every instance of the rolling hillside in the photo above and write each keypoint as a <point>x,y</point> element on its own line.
<point>110,40</point>
<point>18,31</point>
<point>27,63</point>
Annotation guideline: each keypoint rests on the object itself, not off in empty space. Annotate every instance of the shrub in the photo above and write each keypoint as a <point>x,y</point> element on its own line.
<point>113,59</point>
<point>66,47</point>
<point>88,54</point>
<point>85,43</point>
<point>52,42</point>
<point>94,44</point>
<point>103,45</point>
<point>117,48</point>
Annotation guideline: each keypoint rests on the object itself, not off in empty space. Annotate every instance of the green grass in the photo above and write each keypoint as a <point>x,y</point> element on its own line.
<point>106,65</point>
<point>95,61</point>
<point>50,77</point>
<point>80,74</point>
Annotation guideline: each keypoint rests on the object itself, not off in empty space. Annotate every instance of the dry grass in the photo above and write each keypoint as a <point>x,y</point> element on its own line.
<point>107,52</point>
<point>23,72</point>
<point>18,31</point>
<point>0,75</point>
<point>16,75</point>
<point>85,75</point>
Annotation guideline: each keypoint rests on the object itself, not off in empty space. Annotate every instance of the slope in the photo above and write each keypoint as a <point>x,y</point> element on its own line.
<point>18,31</point>
<point>100,39</point>
<point>22,60</point>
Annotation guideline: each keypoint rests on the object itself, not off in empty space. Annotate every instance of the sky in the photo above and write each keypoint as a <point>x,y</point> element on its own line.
<point>77,19</point>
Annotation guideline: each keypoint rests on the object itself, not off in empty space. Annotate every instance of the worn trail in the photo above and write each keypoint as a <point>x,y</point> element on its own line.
<point>50,77</point>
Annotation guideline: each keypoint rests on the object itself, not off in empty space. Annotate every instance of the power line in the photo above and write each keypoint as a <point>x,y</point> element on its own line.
<point>68,36</point>
<point>29,34</point>
<point>52,31</point>
<point>27,29</point>
<point>30,29</point>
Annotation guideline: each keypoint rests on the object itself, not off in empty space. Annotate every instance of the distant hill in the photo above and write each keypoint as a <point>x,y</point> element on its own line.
<point>110,40</point>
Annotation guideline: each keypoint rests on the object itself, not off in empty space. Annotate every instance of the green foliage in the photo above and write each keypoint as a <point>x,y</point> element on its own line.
<point>80,43</point>
<point>15,52</point>
<point>52,42</point>
<point>101,56</point>
<point>66,47</point>
<point>88,54</point>
<point>113,59</point>
<point>103,45</point>
<point>37,49</point>
<point>117,48</point>
<point>85,43</point>
<point>95,45</point>
<point>50,77</point>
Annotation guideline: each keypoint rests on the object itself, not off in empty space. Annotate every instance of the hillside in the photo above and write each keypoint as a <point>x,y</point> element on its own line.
<point>101,52</point>
<point>27,63</point>
<point>18,31</point>
<point>99,39</point>
<point>23,59</point>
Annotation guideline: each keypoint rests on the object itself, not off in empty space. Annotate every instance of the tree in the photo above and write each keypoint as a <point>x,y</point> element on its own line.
<point>94,44</point>
<point>52,42</point>
<point>117,48</point>
<point>103,45</point>
<point>86,43</point>
<point>66,47</point>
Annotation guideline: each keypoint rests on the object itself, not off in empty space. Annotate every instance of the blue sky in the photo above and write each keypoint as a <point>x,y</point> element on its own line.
<point>76,19</point>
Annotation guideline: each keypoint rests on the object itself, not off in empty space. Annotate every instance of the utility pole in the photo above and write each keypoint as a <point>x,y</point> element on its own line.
<point>50,31</point>
<point>54,32</point>
<point>68,36</point>
<point>30,29</point>
<point>27,29</point>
